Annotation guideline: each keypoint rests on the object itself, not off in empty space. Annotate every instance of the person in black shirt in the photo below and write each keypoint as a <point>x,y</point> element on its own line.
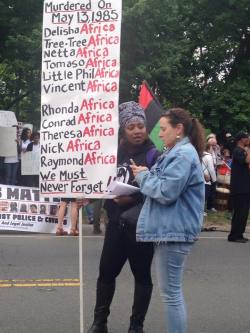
<point>240,188</point>
<point>120,238</point>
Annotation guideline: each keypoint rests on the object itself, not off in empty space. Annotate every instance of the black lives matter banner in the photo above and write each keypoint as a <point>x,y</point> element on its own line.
<point>22,209</point>
<point>80,89</point>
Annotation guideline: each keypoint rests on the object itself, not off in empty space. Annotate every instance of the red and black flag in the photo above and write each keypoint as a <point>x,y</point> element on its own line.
<point>153,111</point>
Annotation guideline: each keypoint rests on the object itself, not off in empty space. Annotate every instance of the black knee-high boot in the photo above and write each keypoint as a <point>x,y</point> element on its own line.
<point>104,296</point>
<point>142,297</point>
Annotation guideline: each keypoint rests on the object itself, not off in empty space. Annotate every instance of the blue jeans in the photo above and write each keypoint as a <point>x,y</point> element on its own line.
<point>169,259</point>
<point>90,213</point>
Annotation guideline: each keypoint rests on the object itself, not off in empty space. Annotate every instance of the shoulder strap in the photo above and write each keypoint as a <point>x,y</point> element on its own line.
<point>206,168</point>
<point>151,156</point>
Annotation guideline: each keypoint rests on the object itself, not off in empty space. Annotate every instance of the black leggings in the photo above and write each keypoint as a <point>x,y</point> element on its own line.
<point>241,204</point>
<point>119,245</point>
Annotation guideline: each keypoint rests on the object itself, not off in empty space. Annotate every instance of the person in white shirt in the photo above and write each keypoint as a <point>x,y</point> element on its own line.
<point>214,150</point>
<point>25,139</point>
<point>208,170</point>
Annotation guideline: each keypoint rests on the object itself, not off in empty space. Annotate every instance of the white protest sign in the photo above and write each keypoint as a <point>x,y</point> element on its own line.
<point>30,163</point>
<point>8,144</point>
<point>7,118</point>
<point>80,88</point>
<point>22,209</point>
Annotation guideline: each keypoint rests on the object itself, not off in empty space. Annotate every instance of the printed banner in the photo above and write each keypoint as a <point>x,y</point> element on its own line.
<point>30,162</point>
<point>21,209</point>
<point>80,90</point>
<point>8,144</point>
<point>7,118</point>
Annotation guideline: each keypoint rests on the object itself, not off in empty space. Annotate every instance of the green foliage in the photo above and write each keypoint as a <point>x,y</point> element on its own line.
<point>193,53</point>
<point>20,58</point>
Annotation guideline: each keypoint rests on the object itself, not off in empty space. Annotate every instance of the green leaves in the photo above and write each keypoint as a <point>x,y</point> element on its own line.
<point>20,58</point>
<point>194,53</point>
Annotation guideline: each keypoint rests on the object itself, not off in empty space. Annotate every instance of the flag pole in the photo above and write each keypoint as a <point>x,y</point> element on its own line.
<point>81,272</point>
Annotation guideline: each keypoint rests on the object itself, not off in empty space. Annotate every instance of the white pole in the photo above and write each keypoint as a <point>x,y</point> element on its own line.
<point>81,272</point>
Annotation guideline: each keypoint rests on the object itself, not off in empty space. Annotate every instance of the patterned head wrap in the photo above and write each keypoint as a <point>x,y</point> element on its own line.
<point>131,112</point>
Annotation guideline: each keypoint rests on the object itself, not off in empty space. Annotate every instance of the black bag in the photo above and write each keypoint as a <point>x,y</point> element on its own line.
<point>131,215</point>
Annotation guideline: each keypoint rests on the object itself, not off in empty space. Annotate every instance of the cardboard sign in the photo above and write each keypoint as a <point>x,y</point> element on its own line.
<point>7,118</point>
<point>8,144</point>
<point>80,89</point>
<point>30,163</point>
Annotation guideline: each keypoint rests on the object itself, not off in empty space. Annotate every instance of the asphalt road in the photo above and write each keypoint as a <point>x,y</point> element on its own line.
<point>39,290</point>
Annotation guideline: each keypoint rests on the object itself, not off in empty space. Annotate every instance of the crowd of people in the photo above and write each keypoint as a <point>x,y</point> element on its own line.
<point>232,159</point>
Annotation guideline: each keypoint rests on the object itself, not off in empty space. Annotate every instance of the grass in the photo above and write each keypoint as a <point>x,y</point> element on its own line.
<point>220,219</point>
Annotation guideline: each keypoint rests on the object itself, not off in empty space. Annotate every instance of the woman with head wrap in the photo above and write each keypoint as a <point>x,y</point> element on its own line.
<point>120,242</point>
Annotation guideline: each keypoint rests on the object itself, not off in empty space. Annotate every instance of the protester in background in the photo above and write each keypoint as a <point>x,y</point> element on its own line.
<point>120,243</point>
<point>73,217</point>
<point>172,213</point>
<point>227,157</point>
<point>240,188</point>
<point>34,145</point>
<point>208,170</point>
<point>11,164</point>
<point>25,141</point>
<point>217,160</point>
<point>229,143</point>
<point>215,149</point>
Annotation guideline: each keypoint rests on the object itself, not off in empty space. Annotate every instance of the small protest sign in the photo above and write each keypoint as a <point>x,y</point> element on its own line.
<point>8,144</point>
<point>7,118</point>
<point>30,162</point>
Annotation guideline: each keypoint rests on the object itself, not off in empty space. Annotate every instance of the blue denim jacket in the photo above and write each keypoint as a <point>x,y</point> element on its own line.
<point>175,193</point>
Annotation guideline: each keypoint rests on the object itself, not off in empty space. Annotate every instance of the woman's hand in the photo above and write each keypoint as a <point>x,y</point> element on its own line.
<point>137,168</point>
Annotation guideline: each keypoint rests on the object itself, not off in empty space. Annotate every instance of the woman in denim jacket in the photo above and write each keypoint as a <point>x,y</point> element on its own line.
<point>172,213</point>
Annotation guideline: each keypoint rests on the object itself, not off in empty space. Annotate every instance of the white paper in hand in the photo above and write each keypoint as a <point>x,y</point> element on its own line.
<point>118,189</point>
